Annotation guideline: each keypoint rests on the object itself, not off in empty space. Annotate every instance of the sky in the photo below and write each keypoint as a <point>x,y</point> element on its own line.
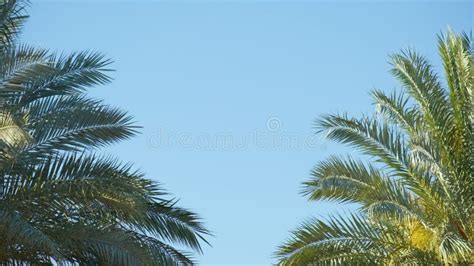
<point>227,93</point>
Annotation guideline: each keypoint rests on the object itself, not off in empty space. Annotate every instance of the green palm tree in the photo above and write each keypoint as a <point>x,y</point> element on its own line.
<point>61,202</point>
<point>416,192</point>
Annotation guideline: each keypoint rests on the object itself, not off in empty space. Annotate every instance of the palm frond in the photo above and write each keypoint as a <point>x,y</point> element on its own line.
<point>396,109</point>
<point>416,206</point>
<point>12,18</point>
<point>60,204</point>
<point>58,75</point>
<point>74,123</point>
<point>15,229</point>
<point>175,224</point>
<point>455,249</point>
<point>416,74</point>
<point>370,136</point>
<point>338,239</point>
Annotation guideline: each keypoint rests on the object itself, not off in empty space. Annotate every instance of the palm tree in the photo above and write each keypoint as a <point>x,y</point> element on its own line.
<point>416,192</point>
<point>60,201</point>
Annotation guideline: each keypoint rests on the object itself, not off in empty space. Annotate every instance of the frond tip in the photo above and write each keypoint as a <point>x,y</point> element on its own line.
<point>12,18</point>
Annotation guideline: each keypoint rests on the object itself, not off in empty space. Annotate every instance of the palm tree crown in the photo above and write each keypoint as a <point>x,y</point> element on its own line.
<point>60,201</point>
<point>416,194</point>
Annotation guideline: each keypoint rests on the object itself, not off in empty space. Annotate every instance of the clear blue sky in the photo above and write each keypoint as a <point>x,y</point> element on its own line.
<point>204,78</point>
